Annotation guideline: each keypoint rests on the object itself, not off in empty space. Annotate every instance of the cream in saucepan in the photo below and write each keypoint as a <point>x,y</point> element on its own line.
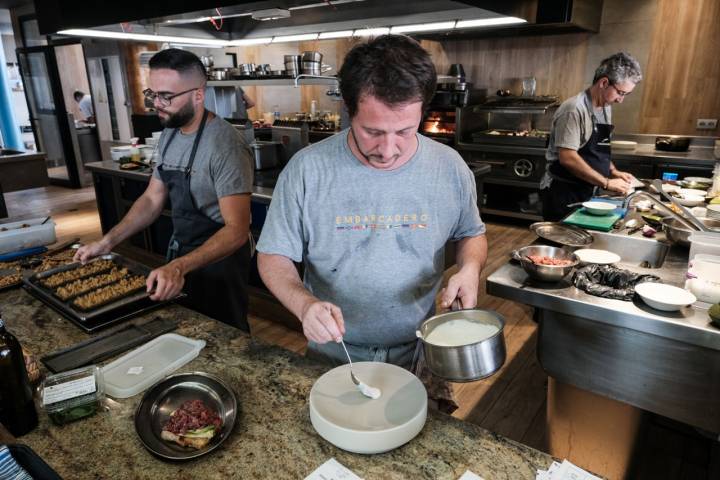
<point>455,333</point>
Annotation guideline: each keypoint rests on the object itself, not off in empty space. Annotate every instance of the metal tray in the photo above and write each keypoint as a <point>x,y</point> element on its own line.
<point>563,234</point>
<point>32,281</point>
<point>513,140</point>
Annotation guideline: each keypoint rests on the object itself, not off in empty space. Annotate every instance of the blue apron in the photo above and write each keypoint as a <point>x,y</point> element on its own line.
<point>567,188</point>
<point>218,290</point>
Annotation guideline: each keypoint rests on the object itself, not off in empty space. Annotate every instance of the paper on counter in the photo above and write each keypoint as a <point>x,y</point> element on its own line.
<point>332,470</point>
<point>564,471</point>
<point>468,475</point>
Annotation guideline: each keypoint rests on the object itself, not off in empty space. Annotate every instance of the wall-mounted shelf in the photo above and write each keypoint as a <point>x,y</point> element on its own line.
<point>276,82</point>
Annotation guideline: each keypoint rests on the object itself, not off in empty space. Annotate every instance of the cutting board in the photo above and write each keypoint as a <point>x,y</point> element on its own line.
<point>583,219</point>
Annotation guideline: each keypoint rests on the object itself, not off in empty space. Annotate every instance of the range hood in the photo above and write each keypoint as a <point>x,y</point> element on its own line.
<point>261,19</point>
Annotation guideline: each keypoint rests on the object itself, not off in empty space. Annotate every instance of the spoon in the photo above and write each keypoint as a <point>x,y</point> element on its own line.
<point>367,390</point>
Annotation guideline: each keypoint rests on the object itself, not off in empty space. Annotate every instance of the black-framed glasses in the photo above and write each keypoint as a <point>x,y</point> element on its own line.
<point>620,92</point>
<point>163,98</point>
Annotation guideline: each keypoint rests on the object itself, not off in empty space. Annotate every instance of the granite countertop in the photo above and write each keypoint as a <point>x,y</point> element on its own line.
<point>273,436</point>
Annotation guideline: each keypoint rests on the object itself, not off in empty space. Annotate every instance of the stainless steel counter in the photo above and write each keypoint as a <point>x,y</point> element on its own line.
<point>667,363</point>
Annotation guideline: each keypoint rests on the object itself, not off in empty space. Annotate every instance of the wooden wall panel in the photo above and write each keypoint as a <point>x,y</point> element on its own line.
<point>556,61</point>
<point>73,75</point>
<point>136,75</point>
<point>682,78</point>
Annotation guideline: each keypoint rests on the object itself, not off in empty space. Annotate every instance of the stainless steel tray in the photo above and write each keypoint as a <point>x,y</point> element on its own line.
<point>563,234</point>
<point>33,282</point>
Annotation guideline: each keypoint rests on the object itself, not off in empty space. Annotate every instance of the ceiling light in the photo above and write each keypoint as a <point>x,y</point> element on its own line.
<point>339,34</point>
<point>270,14</point>
<point>371,32</point>
<point>423,27</point>
<point>295,38</point>
<point>249,41</point>
<point>142,37</point>
<point>488,22</point>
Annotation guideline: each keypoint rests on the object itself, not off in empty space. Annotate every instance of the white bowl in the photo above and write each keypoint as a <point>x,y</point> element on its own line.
<point>693,191</point>
<point>599,208</point>
<point>116,153</point>
<point>623,144</point>
<point>690,200</point>
<point>351,421</point>
<point>664,297</point>
<point>592,255</point>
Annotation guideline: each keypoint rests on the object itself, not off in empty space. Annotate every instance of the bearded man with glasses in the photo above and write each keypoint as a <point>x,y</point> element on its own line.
<point>578,153</point>
<point>205,170</point>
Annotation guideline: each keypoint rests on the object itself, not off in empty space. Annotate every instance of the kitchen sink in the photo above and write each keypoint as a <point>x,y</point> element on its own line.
<point>632,250</point>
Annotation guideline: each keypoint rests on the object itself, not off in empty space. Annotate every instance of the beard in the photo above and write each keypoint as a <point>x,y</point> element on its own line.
<point>179,118</point>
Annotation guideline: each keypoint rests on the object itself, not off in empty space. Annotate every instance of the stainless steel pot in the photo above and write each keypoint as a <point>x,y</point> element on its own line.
<point>312,57</point>
<point>465,363</point>
<point>315,68</point>
<point>545,273</point>
<point>247,68</point>
<point>220,73</point>
<point>679,234</point>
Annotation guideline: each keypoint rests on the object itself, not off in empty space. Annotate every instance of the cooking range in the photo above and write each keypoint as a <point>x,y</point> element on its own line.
<point>509,134</point>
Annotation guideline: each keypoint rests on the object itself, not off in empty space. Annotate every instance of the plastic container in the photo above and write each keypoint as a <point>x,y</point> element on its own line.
<point>137,370</point>
<point>704,242</point>
<point>26,234</point>
<point>72,395</point>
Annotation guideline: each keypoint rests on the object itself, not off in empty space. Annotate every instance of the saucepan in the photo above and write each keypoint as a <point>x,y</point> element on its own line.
<point>672,144</point>
<point>463,354</point>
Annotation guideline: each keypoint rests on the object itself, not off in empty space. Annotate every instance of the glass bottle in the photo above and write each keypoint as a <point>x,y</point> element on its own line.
<point>17,409</point>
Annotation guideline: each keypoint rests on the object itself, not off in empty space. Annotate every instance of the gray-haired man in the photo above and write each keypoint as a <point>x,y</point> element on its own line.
<point>579,150</point>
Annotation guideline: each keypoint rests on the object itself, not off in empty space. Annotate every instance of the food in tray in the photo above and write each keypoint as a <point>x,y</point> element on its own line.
<point>545,260</point>
<point>193,425</point>
<point>9,280</point>
<point>518,133</point>
<point>91,268</point>
<point>109,293</point>
<point>84,285</point>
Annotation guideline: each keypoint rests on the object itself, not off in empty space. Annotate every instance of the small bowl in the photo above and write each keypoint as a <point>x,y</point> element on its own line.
<point>664,297</point>
<point>545,273</point>
<point>599,208</point>
<point>690,200</point>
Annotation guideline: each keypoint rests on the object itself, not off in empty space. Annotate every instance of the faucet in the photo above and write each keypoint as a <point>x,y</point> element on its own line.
<point>658,204</point>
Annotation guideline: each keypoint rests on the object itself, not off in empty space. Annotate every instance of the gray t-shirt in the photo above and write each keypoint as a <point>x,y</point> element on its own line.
<point>223,164</point>
<point>572,128</point>
<point>372,241</point>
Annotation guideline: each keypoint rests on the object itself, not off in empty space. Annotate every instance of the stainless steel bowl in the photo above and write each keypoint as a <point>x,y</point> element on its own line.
<point>465,363</point>
<point>679,234</point>
<point>545,273</point>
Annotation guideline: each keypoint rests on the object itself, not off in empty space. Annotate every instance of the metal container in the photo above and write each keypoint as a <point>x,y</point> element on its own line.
<point>315,68</point>
<point>312,57</point>
<point>679,234</point>
<point>265,154</point>
<point>465,363</point>
<point>247,68</point>
<point>672,144</point>
<point>220,73</point>
<point>545,273</point>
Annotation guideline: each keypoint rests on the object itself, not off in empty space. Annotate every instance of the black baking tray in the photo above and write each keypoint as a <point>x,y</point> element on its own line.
<point>104,346</point>
<point>108,314</point>
<point>511,140</point>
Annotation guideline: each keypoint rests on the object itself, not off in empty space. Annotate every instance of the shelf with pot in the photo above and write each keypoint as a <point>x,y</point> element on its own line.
<point>278,82</point>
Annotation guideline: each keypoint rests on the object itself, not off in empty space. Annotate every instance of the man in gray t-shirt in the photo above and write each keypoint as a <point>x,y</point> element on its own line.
<point>205,170</point>
<point>368,212</point>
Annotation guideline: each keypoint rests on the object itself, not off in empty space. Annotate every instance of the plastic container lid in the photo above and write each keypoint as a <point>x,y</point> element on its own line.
<point>74,394</point>
<point>138,369</point>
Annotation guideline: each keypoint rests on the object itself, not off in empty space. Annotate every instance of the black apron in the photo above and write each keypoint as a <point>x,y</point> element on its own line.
<point>218,290</point>
<point>567,188</point>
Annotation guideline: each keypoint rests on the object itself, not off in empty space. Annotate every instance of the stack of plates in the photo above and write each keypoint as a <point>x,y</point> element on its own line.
<point>713,211</point>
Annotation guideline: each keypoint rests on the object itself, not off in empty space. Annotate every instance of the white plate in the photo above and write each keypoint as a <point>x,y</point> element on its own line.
<point>698,179</point>
<point>692,191</point>
<point>690,200</point>
<point>713,211</point>
<point>593,255</point>
<point>623,144</point>
<point>351,421</point>
<point>599,208</point>
<point>664,297</point>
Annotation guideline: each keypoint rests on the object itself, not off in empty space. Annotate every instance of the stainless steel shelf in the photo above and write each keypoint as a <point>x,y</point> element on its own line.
<point>276,82</point>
